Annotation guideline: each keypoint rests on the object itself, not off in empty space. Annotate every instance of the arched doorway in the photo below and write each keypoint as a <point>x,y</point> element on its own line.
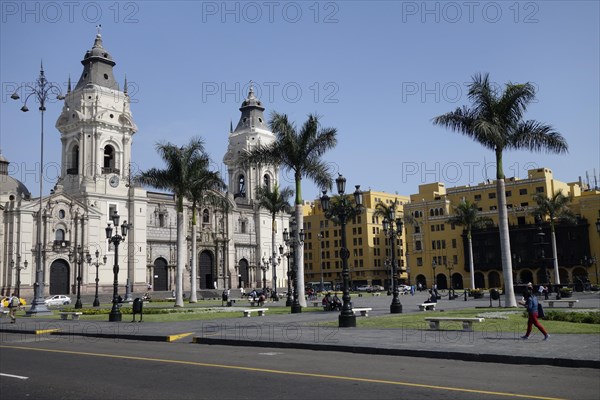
<point>161,275</point>
<point>494,279</point>
<point>479,280</point>
<point>244,273</point>
<point>457,281</point>
<point>543,276</point>
<point>564,276</point>
<point>421,279</point>
<point>206,270</point>
<point>59,277</point>
<point>526,276</point>
<point>442,282</point>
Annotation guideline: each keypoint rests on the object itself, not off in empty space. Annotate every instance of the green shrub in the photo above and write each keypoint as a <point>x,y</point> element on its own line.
<point>585,317</point>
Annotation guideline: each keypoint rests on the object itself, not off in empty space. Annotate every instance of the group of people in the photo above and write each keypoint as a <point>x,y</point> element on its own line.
<point>331,303</point>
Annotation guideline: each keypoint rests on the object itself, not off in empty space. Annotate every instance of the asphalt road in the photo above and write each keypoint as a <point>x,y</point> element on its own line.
<point>89,368</point>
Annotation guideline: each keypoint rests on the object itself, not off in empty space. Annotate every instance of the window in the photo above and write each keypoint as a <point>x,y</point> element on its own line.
<point>522,191</point>
<point>419,261</point>
<point>243,226</point>
<point>109,159</point>
<point>61,214</point>
<point>418,245</point>
<point>508,193</point>
<point>267,182</point>
<point>205,216</point>
<point>539,189</point>
<point>491,195</point>
<point>453,243</point>
<point>59,235</point>
<point>241,186</point>
<point>477,197</point>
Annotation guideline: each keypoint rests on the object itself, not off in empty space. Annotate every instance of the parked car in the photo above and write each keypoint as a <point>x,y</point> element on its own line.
<point>58,300</point>
<point>363,288</point>
<point>4,301</point>
<point>375,288</point>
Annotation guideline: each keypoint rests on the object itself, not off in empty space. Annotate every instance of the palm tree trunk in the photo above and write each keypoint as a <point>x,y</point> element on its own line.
<point>274,259</point>
<point>509,292</point>
<point>554,256</point>
<point>194,283</point>
<point>180,260</point>
<point>471,263</point>
<point>299,257</point>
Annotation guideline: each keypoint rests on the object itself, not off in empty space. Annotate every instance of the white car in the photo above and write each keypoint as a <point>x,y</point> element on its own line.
<point>363,288</point>
<point>57,300</point>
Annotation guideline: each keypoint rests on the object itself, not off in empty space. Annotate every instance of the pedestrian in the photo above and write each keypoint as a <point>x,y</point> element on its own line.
<point>14,304</point>
<point>530,301</point>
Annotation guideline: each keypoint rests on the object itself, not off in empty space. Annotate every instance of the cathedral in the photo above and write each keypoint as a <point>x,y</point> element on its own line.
<point>97,130</point>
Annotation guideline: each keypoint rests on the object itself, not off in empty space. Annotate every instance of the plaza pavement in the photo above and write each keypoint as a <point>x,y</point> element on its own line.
<point>307,331</point>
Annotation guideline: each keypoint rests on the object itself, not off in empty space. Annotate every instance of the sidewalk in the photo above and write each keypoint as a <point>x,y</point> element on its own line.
<point>306,331</point>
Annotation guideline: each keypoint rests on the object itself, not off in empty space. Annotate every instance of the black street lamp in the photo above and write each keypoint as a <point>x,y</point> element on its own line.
<point>320,236</point>
<point>115,312</point>
<point>41,89</point>
<point>450,267</point>
<point>96,264</point>
<point>392,228</point>
<point>294,239</point>
<point>288,301</point>
<point>77,258</point>
<point>433,280</point>
<point>340,211</point>
<point>264,266</point>
<point>18,267</point>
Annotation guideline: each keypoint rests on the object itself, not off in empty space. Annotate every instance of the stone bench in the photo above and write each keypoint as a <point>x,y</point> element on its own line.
<point>255,303</point>
<point>434,322</point>
<point>427,306</point>
<point>551,302</point>
<point>364,312</point>
<point>74,315</point>
<point>261,312</point>
<point>317,303</point>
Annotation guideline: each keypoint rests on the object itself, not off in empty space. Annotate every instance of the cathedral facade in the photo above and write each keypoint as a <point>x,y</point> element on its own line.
<point>97,130</point>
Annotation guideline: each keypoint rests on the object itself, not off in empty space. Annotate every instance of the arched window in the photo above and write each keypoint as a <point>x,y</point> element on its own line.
<point>205,216</point>
<point>431,212</point>
<point>241,186</point>
<point>59,235</point>
<point>267,181</point>
<point>74,169</point>
<point>109,159</point>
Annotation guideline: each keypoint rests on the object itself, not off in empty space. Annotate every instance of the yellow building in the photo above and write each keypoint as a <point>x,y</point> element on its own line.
<point>369,247</point>
<point>437,249</point>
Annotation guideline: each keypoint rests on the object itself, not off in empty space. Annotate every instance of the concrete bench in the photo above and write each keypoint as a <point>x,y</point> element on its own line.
<point>3,313</point>
<point>316,303</point>
<point>255,303</point>
<point>551,302</point>
<point>364,312</point>
<point>434,323</point>
<point>427,306</point>
<point>261,312</point>
<point>74,315</point>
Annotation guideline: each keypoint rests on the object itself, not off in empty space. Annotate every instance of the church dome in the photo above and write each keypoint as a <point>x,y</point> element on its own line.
<point>10,185</point>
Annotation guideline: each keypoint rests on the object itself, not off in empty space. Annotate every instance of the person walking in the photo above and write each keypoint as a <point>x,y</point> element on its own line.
<point>14,304</point>
<point>530,301</point>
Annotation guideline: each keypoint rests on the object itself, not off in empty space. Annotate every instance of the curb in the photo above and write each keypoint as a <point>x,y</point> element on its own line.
<point>448,355</point>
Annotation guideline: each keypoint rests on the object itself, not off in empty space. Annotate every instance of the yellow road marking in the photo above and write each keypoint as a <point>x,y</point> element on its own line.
<point>292,373</point>
<point>42,331</point>
<point>173,338</point>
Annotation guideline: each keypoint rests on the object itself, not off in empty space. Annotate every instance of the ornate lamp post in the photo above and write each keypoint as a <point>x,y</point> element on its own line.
<point>115,312</point>
<point>18,267</point>
<point>450,267</point>
<point>41,89</point>
<point>264,266</point>
<point>96,264</point>
<point>433,265</point>
<point>392,228</point>
<point>320,237</point>
<point>340,211</point>
<point>294,240</point>
<point>77,258</point>
<point>288,302</point>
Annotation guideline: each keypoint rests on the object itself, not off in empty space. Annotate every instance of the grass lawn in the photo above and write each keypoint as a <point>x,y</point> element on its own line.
<point>496,321</point>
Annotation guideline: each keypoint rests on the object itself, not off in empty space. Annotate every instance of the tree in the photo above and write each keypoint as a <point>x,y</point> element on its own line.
<point>467,214</point>
<point>178,176</point>
<point>274,201</point>
<point>555,209</point>
<point>300,152</point>
<point>201,191</point>
<point>495,120</point>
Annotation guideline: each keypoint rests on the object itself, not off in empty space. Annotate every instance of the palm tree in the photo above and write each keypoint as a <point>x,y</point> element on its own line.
<point>555,209</point>
<point>388,213</point>
<point>467,214</point>
<point>300,152</point>
<point>201,192</point>
<point>496,122</point>
<point>178,177</point>
<point>274,201</point>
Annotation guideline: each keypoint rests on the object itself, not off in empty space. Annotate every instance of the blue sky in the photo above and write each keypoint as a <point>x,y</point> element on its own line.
<point>376,71</point>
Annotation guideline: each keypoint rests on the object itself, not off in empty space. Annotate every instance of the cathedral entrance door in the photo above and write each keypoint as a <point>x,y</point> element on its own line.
<point>59,277</point>
<point>161,275</point>
<point>206,270</point>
